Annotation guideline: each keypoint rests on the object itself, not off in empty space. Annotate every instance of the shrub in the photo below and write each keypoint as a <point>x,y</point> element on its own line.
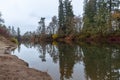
<point>4,32</point>
<point>14,40</point>
<point>54,36</point>
<point>54,43</point>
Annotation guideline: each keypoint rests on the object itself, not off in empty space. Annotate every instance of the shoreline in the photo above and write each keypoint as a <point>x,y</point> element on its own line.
<point>13,68</point>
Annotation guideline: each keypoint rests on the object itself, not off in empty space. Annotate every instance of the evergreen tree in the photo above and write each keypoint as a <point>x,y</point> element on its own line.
<point>66,17</point>
<point>101,17</point>
<point>14,33</point>
<point>41,28</point>
<point>89,14</point>
<point>69,17</point>
<point>61,17</point>
<point>98,15</point>
<point>18,34</point>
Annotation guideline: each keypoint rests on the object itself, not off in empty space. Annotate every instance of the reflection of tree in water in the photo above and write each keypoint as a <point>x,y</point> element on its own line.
<point>42,50</point>
<point>68,57</point>
<point>41,47</point>
<point>28,44</point>
<point>53,51</point>
<point>19,47</point>
<point>102,63</point>
<point>48,48</point>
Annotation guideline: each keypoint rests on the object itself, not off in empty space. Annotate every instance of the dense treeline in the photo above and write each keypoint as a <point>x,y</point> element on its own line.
<point>101,16</point>
<point>100,21</point>
<point>66,24</point>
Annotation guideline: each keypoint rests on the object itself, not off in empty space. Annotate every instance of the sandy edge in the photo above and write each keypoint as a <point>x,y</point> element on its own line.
<point>13,68</point>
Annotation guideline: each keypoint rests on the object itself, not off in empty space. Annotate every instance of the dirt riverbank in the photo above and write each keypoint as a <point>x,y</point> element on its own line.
<point>12,68</point>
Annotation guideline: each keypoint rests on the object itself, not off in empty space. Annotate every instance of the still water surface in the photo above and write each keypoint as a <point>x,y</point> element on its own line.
<point>73,62</point>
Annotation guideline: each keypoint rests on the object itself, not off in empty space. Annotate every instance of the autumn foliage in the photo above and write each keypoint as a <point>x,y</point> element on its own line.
<point>3,31</point>
<point>116,15</point>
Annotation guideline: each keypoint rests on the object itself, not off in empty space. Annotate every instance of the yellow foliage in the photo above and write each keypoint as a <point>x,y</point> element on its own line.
<point>54,43</point>
<point>116,15</point>
<point>14,40</point>
<point>54,36</point>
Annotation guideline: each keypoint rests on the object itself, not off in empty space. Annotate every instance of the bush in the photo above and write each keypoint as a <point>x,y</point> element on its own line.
<point>54,43</point>
<point>3,31</point>
<point>14,40</point>
<point>54,36</point>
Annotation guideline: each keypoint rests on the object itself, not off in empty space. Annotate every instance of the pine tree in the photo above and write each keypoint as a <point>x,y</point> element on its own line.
<point>89,14</point>
<point>61,17</point>
<point>41,28</point>
<point>69,23</point>
<point>18,34</point>
<point>98,15</point>
<point>66,17</point>
<point>13,32</point>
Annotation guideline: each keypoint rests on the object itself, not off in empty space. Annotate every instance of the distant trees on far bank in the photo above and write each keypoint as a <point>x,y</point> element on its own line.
<point>9,31</point>
<point>100,19</point>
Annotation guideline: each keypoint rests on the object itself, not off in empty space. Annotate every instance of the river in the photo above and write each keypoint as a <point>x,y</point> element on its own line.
<point>73,62</point>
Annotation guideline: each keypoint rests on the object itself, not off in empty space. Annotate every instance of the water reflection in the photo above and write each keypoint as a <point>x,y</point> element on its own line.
<point>53,51</point>
<point>69,55</point>
<point>84,62</point>
<point>101,62</point>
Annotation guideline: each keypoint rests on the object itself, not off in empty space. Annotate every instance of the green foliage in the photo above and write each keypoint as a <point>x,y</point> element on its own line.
<point>83,36</point>
<point>89,14</point>
<point>66,17</point>
<point>97,16</point>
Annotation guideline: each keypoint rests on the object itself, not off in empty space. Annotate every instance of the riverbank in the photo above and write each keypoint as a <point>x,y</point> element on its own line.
<point>12,68</point>
<point>89,38</point>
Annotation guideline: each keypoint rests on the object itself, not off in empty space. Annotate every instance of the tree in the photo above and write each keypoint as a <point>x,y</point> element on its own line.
<point>112,6</point>
<point>89,14</point>
<point>69,17</point>
<point>18,34</point>
<point>78,24</point>
<point>1,20</point>
<point>53,25</point>
<point>102,17</point>
<point>98,15</point>
<point>61,17</point>
<point>14,33</point>
<point>66,17</point>
<point>41,28</point>
<point>3,29</point>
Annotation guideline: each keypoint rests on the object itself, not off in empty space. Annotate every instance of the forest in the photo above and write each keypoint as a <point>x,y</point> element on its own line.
<point>100,22</point>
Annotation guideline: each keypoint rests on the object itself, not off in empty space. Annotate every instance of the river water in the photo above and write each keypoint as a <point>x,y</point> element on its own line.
<point>73,62</point>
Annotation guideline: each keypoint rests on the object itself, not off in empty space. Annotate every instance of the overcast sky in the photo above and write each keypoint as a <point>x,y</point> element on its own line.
<point>26,13</point>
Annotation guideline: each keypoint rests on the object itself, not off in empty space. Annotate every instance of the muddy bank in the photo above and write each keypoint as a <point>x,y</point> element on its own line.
<point>12,68</point>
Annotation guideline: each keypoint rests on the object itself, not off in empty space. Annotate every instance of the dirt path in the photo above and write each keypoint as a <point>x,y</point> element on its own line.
<point>12,68</point>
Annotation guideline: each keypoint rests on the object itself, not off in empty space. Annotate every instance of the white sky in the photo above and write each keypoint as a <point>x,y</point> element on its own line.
<point>26,13</point>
